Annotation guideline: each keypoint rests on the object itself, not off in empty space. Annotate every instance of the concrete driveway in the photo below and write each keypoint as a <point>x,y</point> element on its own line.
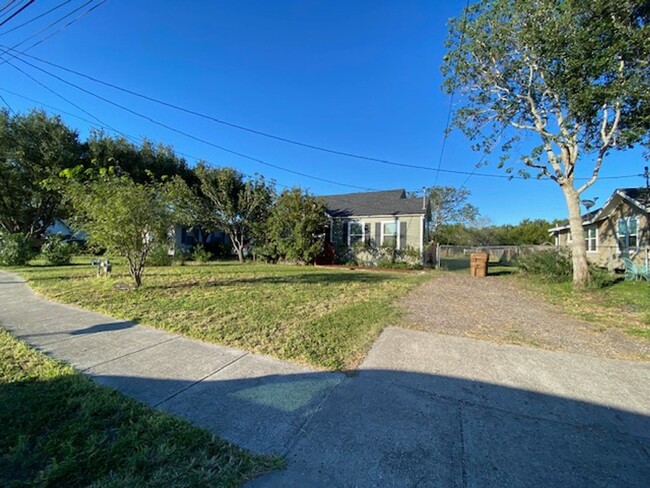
<point>423,409</point>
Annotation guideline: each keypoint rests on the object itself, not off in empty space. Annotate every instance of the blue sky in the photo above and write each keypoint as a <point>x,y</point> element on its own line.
<point>360,77</point>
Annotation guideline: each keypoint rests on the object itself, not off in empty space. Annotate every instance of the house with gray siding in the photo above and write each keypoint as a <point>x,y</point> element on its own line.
<point>381,218</point>
<point>620,228</point>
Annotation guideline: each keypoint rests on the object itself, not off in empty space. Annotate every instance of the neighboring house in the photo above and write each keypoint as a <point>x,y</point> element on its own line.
<point>187,239</point>
<point>620,228</point>
<point>384,218</point>
<point>60,227</point>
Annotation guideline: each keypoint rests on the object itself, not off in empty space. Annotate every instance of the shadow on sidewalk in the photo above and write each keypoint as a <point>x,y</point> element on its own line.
<point>388,428</point>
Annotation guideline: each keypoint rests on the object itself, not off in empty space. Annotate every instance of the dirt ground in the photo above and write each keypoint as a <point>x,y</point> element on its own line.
<point>494,309</point>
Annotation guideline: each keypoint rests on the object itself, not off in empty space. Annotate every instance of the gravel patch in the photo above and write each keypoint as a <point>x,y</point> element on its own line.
<point>494,309</point>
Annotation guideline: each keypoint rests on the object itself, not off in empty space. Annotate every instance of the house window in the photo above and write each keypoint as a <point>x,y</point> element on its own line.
<point>569,238</point>
<point>389,234</point>
<point>591,239</point>
<point>627,232</point>
<point>355,232</point>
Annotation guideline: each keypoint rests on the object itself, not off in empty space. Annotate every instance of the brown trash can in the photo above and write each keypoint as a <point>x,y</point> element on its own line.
<point>478,264</point>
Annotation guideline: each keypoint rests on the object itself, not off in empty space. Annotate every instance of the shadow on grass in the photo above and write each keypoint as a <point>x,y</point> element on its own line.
<point>69,432</point>
<point>303,278</point>
<point>378,428</point>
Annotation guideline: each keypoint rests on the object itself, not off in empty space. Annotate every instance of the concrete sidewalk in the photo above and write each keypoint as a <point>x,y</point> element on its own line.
<point>254,401</point>
<point>424,409</point>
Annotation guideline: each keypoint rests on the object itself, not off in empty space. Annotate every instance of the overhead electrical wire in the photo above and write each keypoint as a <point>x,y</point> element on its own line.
<point>10,7</point>
<point>6,5</point>
<point>17,12</point>
<point>52,24</point>
<point>17,55</point>
<point>187,134</point>
<point>7,104</point>
<point>132,138</point>
<point>237,153</point>
<point>61,96</point>
<point>35,18</point>
<point>451,100</point>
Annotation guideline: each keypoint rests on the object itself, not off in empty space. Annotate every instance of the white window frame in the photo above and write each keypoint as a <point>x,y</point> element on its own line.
<point>569,238</point>
<point>396,235</point>
<point>627,234</point>
<point>591,239</point>
<point>363,231</point>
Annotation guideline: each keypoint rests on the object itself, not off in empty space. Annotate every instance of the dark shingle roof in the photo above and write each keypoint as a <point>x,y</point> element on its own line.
<point>641,195</point>
<point>390,202</point>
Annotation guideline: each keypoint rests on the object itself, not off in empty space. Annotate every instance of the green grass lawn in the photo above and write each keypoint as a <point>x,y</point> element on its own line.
<point>623,304</point>
<point>320,316</point>
<point>60,429</point>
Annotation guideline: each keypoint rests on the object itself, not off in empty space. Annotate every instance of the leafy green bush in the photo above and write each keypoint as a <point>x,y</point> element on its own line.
<point>181,256</point>
<point>601,278</point>
<point>57,251</point>
<point>15,249</point>
<point>159,255</point>
<point>553,265</point>
<point>369,255</point>
<point>200,255</point>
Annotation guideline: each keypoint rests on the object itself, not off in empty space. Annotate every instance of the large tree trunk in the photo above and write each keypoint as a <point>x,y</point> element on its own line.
<point>581,276</point>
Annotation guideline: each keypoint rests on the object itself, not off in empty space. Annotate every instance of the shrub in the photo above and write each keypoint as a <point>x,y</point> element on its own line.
<point>220,250</point>
<point>369,255</point>
<point>201,255</point>
<point>57,251</point>
<point>181,256</point>
<point>159,255</point>
<point>601,278</point>
<point>552,265</point>
<point>15,250</point>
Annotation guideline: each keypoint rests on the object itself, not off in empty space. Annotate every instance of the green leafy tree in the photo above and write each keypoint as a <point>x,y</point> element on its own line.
<point>529,232</point>
<point>121,216</point>
<point>143,163</point>
<point>229,202</point>
<point>33,147</point>
<point>573,74</point>
<point>295,228</point>
<point>449,205</point>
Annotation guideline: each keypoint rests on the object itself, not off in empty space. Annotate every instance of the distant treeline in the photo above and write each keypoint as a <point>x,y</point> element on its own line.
<point>526,232</point>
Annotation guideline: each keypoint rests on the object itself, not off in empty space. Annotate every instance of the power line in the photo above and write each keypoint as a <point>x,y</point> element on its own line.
<point>7,104</point>
<point>233,125</point>
<point>60,96</point>
<point>451,99</point>
<point>35,18</point>
<point>9,7</point>
<point>191,136</point>
<point>6,5</point>
<point>29,2</point>
<point>15,56</point>
<point>132,138</point>
<point>52,24</point>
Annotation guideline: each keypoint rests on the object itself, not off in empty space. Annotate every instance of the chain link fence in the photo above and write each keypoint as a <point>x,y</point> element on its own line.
<point>458,257</point>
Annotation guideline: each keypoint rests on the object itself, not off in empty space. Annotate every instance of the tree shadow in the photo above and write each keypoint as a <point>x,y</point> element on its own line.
<point>392,428</point>
<point>93,329</point>
<point>299,279</point>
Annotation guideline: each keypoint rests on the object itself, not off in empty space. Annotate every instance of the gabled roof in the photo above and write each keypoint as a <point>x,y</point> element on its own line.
<point>389,202</point>
<point>637,197</point>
